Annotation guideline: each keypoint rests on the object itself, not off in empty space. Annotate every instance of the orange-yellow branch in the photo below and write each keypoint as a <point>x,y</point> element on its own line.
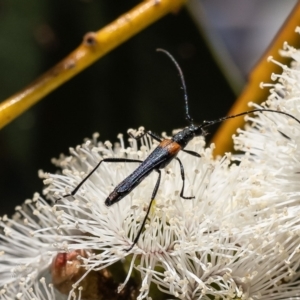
<point>261,73</point>
<point>94,46</point>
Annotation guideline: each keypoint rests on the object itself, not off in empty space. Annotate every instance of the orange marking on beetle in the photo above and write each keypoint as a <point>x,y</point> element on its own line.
<point>172,147</point>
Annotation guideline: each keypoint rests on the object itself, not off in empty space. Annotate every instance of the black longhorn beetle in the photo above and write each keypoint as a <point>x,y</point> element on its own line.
<point>162,155</point>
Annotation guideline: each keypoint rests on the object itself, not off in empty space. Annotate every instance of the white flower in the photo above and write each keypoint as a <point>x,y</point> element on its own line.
<point>111,230</point>
<point>214,245</point>
<point>239,238</point>
<point>273,142</point>
<point>27,248</point>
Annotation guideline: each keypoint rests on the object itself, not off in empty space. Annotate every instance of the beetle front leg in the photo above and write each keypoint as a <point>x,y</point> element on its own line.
<point>138,137</point>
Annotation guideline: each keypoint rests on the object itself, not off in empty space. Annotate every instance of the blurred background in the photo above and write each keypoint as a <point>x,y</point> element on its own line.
<point>216,45</point>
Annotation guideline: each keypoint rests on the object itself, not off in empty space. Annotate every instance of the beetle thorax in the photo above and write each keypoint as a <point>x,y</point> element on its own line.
<point>187,134</point>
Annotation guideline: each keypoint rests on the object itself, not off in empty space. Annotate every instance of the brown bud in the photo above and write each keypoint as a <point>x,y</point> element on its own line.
<point>96,285</point>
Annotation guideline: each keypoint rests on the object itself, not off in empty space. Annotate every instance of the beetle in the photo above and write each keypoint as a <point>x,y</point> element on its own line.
<point>162,155</point>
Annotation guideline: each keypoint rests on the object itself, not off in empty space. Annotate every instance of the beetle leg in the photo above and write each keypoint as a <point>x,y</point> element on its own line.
<point>138,137</point>
<point>95,168</point>
<point>147,213</point>
<point>183,180</point>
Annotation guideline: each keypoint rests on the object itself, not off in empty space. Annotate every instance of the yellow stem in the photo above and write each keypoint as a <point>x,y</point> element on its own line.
<point>260,73</point>
<point>94,46</point>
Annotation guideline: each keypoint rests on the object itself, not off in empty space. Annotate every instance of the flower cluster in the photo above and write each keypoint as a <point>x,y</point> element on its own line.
<point>238,238</point>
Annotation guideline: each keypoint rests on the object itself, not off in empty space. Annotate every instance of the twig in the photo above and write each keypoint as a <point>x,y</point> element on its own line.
<point>94,46</point>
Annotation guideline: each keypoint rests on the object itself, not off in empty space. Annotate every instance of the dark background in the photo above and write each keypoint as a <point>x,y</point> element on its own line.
<point>131,86</point>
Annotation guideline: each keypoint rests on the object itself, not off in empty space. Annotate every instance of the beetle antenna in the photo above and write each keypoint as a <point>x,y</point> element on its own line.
<point>187,115</point>
<point>210,123</point>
